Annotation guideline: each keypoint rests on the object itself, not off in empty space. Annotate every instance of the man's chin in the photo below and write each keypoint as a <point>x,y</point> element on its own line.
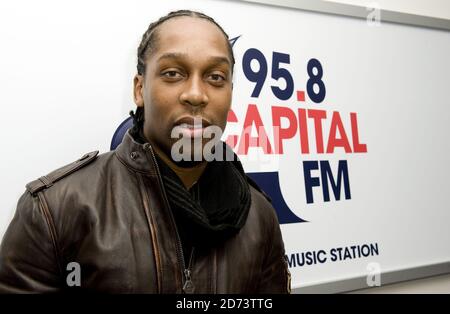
<point>193,156</point>
<point>188,152</point>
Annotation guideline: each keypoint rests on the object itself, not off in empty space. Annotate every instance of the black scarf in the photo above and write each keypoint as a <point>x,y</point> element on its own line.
<point>215,208</point>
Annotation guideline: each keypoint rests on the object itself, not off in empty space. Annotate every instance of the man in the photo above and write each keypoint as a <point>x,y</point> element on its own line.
<point>135,220</point>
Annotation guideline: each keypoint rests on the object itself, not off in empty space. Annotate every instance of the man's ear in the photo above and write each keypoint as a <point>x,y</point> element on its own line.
<point>138,84</point>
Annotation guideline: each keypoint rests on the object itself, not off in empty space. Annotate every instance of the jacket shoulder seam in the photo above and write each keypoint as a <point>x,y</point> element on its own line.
<point>48,180</point>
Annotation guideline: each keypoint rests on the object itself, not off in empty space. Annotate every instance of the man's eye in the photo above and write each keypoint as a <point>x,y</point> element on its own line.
<point>171,74</point>
<point>217,78</point>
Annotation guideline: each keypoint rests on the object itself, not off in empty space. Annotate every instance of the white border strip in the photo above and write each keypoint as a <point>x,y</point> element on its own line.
<point>358,12</point>
<point>387,278</point>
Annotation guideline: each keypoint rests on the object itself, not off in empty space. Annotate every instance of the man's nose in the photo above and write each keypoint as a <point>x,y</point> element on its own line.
<point>194,93</point>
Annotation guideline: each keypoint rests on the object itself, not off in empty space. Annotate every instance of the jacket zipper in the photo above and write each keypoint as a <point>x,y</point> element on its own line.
<point>188,285</point>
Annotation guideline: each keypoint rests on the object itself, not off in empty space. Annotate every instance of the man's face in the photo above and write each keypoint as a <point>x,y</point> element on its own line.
<point>188,76</point>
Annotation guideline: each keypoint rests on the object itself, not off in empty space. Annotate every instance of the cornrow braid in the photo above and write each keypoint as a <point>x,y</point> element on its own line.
<point>147,46</point>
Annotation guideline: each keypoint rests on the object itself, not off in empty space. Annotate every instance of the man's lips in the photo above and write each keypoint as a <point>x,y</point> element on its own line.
<point>190,122</point>
<point>191,127</point>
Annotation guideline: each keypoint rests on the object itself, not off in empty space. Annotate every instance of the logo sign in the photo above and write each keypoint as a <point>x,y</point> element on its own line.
<point>299,119</point>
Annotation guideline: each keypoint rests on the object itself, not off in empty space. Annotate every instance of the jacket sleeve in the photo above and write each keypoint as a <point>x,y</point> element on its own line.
<point>276,277</point>
<point>28,261</point>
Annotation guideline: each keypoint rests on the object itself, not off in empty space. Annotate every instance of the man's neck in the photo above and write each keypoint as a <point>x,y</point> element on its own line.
<point>188,175</point>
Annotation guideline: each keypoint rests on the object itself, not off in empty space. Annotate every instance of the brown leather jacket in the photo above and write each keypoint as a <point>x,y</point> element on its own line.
<point>109,213</point>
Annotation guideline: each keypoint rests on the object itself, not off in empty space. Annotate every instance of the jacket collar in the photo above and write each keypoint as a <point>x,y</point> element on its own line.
<point>139,157</point>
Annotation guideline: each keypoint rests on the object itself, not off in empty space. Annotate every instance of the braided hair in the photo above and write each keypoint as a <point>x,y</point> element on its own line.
<point>147,46</point>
